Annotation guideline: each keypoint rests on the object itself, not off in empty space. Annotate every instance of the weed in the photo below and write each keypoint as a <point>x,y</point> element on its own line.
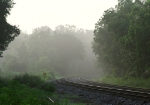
<point>133,82</point>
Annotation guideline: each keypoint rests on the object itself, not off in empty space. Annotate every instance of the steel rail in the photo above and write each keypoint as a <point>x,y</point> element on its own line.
<point>127,92</point>
<point>116,86</point>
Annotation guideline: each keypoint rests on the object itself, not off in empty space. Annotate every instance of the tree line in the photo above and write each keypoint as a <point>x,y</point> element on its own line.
<point>44,51</point>
<point>66,50</point>
<point>7,31</point>
<point>122,39</point>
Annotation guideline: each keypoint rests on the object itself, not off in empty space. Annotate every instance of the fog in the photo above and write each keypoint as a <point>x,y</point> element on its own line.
<point>30,14</point>
<point>56,38</point>
<point>65,51</point>
<point>46,45</point>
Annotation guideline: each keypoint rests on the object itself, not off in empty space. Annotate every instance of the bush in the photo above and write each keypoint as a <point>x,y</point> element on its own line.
<point>3,82</point>
<point>20,94</point>
<point>35,82</point>
<point>29,80</point>
<point>48,87</point>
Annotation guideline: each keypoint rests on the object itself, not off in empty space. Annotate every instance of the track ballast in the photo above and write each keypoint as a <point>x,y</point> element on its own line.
<point>123,91</point>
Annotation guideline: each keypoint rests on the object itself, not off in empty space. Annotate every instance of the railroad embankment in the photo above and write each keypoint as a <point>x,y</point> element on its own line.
<point>95,96</point>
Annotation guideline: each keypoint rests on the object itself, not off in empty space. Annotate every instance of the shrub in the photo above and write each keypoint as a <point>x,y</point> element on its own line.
<point>3,82</point>
<point>48,87</point>
<point>35,82</point>
<point>29,80</point>
<point>20,94</point>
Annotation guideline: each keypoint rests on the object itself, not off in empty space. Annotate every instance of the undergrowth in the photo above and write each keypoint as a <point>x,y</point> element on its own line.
<point>30,90</point>
<point>25,90</point>
<point>126,81</point>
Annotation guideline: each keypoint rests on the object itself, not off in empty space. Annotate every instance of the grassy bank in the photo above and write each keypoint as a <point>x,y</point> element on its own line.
<point>30,90</point>
<point>126,81</point>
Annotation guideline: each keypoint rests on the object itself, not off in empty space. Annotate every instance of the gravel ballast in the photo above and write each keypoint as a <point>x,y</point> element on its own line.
<point>97,98</point>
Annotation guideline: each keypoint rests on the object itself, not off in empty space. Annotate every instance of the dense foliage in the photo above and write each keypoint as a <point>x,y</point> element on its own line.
<point>22,91</point>
<point>44,51</point>
<point>7,31</point>
<point>25,90</point>
<point>122,39</point>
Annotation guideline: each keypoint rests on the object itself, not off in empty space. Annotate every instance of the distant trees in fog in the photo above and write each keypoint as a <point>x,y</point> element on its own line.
<point>44,51</point>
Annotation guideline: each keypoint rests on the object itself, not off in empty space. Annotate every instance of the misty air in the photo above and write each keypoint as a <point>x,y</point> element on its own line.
<point>74,52</point>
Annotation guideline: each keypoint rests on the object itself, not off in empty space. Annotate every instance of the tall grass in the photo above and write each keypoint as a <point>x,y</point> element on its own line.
<point>30,90</point>
<point>126,81</point>
<point>14,93</point>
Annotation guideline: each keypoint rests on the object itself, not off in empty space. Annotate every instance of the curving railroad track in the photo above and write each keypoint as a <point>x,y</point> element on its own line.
<point>115,90</point>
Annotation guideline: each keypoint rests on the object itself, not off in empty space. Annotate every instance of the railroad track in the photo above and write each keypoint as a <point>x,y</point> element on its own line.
<point>123,91</point>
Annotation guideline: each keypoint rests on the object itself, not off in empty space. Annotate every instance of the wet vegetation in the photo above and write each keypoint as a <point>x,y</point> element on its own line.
<point>30,90</point>
<point>120,42</point>
<point>125,81</point>
<point>121,39</point>
<point>24,90</point>
<point>57,53</point>
<point>32,59</point>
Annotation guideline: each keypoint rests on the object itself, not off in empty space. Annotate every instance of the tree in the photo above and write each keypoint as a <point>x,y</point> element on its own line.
<point>45,51</point>
<point>122,37</point>
<point>139,37</point>
<point>7,31</point>
<point>68,46</point>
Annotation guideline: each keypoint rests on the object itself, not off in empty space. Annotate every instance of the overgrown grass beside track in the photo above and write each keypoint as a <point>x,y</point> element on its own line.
<point>31,90</point>
<point>126,81</point>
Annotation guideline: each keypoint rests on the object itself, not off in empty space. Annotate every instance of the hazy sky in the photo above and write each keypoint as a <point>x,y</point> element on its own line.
<point>29,14</point>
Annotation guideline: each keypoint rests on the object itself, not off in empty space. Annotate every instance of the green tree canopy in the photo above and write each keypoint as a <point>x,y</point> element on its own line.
<point>7,31</point>
<point>122,37</point>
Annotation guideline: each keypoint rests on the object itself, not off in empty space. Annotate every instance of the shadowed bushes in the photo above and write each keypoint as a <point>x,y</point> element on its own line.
<point>48,87</point>
<point>35,82</point>
<point>20,94</point>
<point>29,80</point>
<point>3,82</point>
<point>25,90</point>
